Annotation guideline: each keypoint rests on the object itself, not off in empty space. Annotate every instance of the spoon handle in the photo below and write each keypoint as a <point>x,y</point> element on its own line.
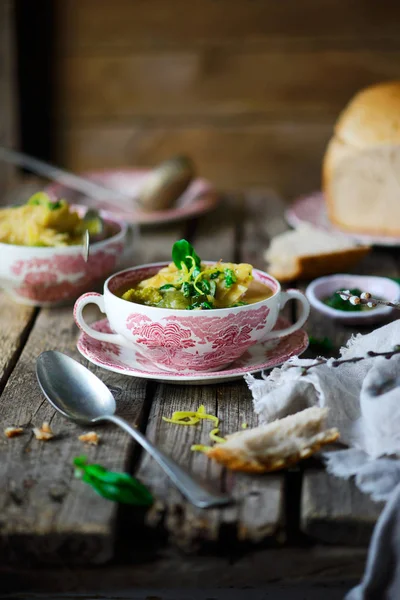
<point>70,180</point>
<point>194,492</point>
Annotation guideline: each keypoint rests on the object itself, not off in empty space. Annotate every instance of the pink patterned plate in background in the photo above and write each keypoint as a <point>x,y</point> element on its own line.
<point>200,197</point>
<point>311,209</point>
<point>129,362</point>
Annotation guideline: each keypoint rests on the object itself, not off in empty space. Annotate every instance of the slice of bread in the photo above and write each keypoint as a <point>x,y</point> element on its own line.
<point>361,167</point>
<point>276,445</point>
<point>307,252</point>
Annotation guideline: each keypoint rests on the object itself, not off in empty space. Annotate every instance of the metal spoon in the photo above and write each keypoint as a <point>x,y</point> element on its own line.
<point>81,396</point>
<point>88,188</point>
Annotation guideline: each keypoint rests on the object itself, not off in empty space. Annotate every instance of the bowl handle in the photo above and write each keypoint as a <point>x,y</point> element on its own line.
<point>304,312</point>
<point>95,298</point>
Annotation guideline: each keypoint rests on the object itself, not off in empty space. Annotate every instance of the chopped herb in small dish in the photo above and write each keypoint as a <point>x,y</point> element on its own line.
<point>338,303</point>
<point>322,293</point>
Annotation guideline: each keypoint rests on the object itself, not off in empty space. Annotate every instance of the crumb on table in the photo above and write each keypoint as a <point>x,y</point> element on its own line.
<point>44,433</point>
<point>90,438</point>
<point>11,432</point>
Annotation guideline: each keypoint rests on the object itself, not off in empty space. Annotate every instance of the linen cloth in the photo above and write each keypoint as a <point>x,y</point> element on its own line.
<point>364,402</point>
<point>363,398</point>
<point>381,579</point>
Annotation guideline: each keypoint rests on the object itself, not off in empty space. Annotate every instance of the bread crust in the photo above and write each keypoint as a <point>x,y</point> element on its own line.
<point>237,460</point>
<point>312,266</point>
<point>371,117</point>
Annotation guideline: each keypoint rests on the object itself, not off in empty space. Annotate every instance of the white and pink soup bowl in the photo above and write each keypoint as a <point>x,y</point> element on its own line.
<point>53,276</point>
<point>182,340</point>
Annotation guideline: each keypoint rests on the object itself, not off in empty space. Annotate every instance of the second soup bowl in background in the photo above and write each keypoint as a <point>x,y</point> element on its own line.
<point>54,276</point>
<point>179,340</point>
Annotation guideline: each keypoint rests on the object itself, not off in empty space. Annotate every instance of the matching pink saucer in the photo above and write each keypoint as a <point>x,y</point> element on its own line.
<point>129,362</point>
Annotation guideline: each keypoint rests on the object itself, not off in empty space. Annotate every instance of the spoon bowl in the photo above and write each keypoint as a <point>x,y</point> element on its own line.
<point>72,389</point>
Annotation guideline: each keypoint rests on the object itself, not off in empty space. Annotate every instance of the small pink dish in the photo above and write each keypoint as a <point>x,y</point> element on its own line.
<point>380,287</point>
<point>52,276</point>
<point>124,361</point>
<point>200,197</point>
<point>182,340</point>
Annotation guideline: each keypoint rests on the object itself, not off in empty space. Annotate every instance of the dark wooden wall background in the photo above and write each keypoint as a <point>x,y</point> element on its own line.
<point>249,88</point>
<point>7,90</point>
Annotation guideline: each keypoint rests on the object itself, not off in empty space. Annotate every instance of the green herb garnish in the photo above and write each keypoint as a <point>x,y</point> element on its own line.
<point>183,252</point>
<point>215,275</point>
<point>205,286</point>
<point>42,199</point>
<point>167,287</point>
<point>187,289</point>
<point>206,305</point>
<point>118,487</point>
<point>230,278</point>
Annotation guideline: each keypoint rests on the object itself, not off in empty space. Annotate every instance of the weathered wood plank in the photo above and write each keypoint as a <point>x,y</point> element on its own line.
<point>15,324</point>
<point>92,25</point>
<point>214,236</point>
<point>45,513</point>
<point>263,218</point>
<point>284,156</point>
<point>205,84</point>
<point>334,511</point>
<point>316,564</point>
<point>257,513</point>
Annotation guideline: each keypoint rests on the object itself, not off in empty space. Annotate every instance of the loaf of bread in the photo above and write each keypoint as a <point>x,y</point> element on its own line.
<point>361,167</point>
<point>276,445</point>
<point>307,252</point>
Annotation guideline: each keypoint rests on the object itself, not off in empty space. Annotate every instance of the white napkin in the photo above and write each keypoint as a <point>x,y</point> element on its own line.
<point>364,402</point>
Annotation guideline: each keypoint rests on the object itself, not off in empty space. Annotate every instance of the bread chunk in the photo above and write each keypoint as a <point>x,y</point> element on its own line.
<point>276,445</point>
<point>308,252</point>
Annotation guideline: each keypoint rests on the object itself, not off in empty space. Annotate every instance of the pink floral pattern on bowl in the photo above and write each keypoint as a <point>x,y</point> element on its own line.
<point>133,363</point>
<point>62,278</point>
<point>167,343</point>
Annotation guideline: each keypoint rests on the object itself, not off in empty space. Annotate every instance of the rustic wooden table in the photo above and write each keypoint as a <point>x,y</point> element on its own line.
<point>300,524</point>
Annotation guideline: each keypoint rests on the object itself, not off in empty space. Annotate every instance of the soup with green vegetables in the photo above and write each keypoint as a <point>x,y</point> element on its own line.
<point>189,284</point>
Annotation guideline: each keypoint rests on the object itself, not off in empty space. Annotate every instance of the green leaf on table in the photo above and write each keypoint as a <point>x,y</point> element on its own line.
<point>183,252</point>
<point>117,487</point>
